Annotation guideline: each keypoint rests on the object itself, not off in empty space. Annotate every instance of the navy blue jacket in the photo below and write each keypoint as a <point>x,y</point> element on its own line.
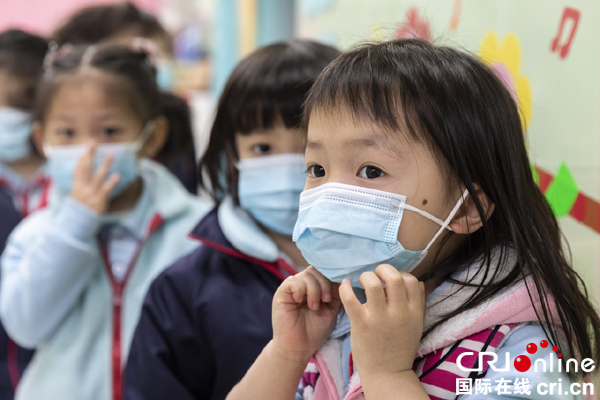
<point>204,321</point>
<point>10,369</point>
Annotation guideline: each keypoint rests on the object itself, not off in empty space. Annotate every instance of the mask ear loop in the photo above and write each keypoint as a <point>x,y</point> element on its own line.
<point>447,221</point>
<point>141,140</point>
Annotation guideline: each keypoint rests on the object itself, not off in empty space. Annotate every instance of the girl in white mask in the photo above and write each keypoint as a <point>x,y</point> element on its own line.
<point>219,296</point>
<point>74,275</point>
<point>420,216</point>
<point>22,175</point>
<point>21,166</point>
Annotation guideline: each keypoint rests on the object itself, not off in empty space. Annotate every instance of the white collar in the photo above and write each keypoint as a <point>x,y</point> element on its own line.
<point>243,232</point>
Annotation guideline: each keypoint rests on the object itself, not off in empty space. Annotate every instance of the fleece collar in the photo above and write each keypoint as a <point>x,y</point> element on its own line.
<point>513,305</point>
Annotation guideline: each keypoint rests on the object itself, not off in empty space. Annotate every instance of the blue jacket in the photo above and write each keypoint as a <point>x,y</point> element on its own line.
<point>57,296</point>
<point>206,318</point>
<point>10,370</point>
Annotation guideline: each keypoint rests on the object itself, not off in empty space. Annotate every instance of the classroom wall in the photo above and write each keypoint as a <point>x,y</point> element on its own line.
<point>42,16</point>
<point>548,53</point>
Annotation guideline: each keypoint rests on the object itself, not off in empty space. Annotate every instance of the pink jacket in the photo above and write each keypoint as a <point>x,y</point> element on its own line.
<point>495,320</point>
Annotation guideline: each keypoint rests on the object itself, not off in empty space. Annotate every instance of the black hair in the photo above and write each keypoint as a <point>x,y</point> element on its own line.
<point>455,104</point>
<point>181,135</point>
<point>136,74</point>
<point>22,56</point>
<point>266,88</point>
<point>98,23</point>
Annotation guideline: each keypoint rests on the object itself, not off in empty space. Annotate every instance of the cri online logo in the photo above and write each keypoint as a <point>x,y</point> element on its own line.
<point>522,363</point>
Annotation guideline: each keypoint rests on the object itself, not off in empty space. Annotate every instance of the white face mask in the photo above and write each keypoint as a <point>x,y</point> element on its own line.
<point>269,189</point>
<point>62,161</point>
<point>344,230</point>
<point>15,131</point>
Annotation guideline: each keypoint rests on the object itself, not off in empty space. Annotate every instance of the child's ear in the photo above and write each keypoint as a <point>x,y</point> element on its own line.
<point>157,138</point>
<point>37,135</point>
<point>467,219</point>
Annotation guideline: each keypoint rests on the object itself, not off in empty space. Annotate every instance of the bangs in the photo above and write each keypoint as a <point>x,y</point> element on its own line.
<point>271,98</point>
<point>263,104</point>
<point>270,86</point>
<point>364,84</point>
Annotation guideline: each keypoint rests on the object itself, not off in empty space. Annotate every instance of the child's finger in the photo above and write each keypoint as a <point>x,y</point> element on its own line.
<point>110,184</point>
<point>326,289</point>
<point>296,288</point>
<point>351,303</point>
<point>313,291</point>
<point>101,171</point>
<point>394,283</point>
<point>413,290</point>
<point>373,290</point>
<point>83,169</point>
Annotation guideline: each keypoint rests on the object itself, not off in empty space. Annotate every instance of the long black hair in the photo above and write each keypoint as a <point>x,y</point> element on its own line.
<point>457,106</point>
<point>267,87</point>
<point>95,24</point>
<point>132,69</point>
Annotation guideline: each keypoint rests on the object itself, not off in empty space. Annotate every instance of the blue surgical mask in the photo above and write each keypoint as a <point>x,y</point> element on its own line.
<point>269,189</point>
<point>62,161</point>
<point>15,131</point>
<point>345,230</point>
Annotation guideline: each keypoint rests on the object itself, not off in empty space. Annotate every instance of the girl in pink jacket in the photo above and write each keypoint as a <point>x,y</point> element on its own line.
<point>437,264</point>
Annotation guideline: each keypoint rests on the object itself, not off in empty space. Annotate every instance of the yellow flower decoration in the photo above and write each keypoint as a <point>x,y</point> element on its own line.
<point>505,60</point>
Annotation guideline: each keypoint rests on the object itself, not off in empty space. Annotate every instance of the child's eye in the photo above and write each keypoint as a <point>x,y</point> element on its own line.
<point>315,171</point>
<point>110,131</point>
<point>66,132</point>
<point>261,148</point>
<point>371,172</point>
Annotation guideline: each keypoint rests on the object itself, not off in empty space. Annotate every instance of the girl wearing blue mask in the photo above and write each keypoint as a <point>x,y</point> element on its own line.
<point>23,179</point>
<point>429,241</point>
<point>74,275</point>
<point>206,318</point>
<point>21,166</point>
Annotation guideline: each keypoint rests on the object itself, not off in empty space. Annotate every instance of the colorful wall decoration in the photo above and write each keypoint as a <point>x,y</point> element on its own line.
<point>547,53</point>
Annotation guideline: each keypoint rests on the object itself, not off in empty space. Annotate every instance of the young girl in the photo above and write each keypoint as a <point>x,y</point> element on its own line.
<point>74,275</point>
<point>206,318</point>
<point>22,175</point>
<point>124,23</point>
<point>419,184</point>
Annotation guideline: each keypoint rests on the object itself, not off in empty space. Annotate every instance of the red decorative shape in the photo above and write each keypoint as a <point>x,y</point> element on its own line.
<point>555,348</point>
<point>563,49</point>
<point>559,355</point>
<point>531,348</point>
<point>522,363</point>
<point>544,343</point>
<point>414,27</point>
<point>578,210</point>
<point>585,205</point>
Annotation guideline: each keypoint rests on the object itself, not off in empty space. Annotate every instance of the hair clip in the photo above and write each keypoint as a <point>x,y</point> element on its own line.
<point>147,46</point>
<point>55,52</point>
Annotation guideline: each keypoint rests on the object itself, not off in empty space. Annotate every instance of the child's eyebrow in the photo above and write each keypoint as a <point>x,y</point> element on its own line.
<point>62,117</point>
<point>108,116</point>
<point>314,145</point>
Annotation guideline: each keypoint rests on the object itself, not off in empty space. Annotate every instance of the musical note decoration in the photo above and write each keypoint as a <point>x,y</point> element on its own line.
<point>564,48</point>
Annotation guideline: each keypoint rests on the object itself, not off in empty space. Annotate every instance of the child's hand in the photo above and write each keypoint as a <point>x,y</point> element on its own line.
<point>305,309</point>
<point>90,187</point>
<point>387,329</point>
